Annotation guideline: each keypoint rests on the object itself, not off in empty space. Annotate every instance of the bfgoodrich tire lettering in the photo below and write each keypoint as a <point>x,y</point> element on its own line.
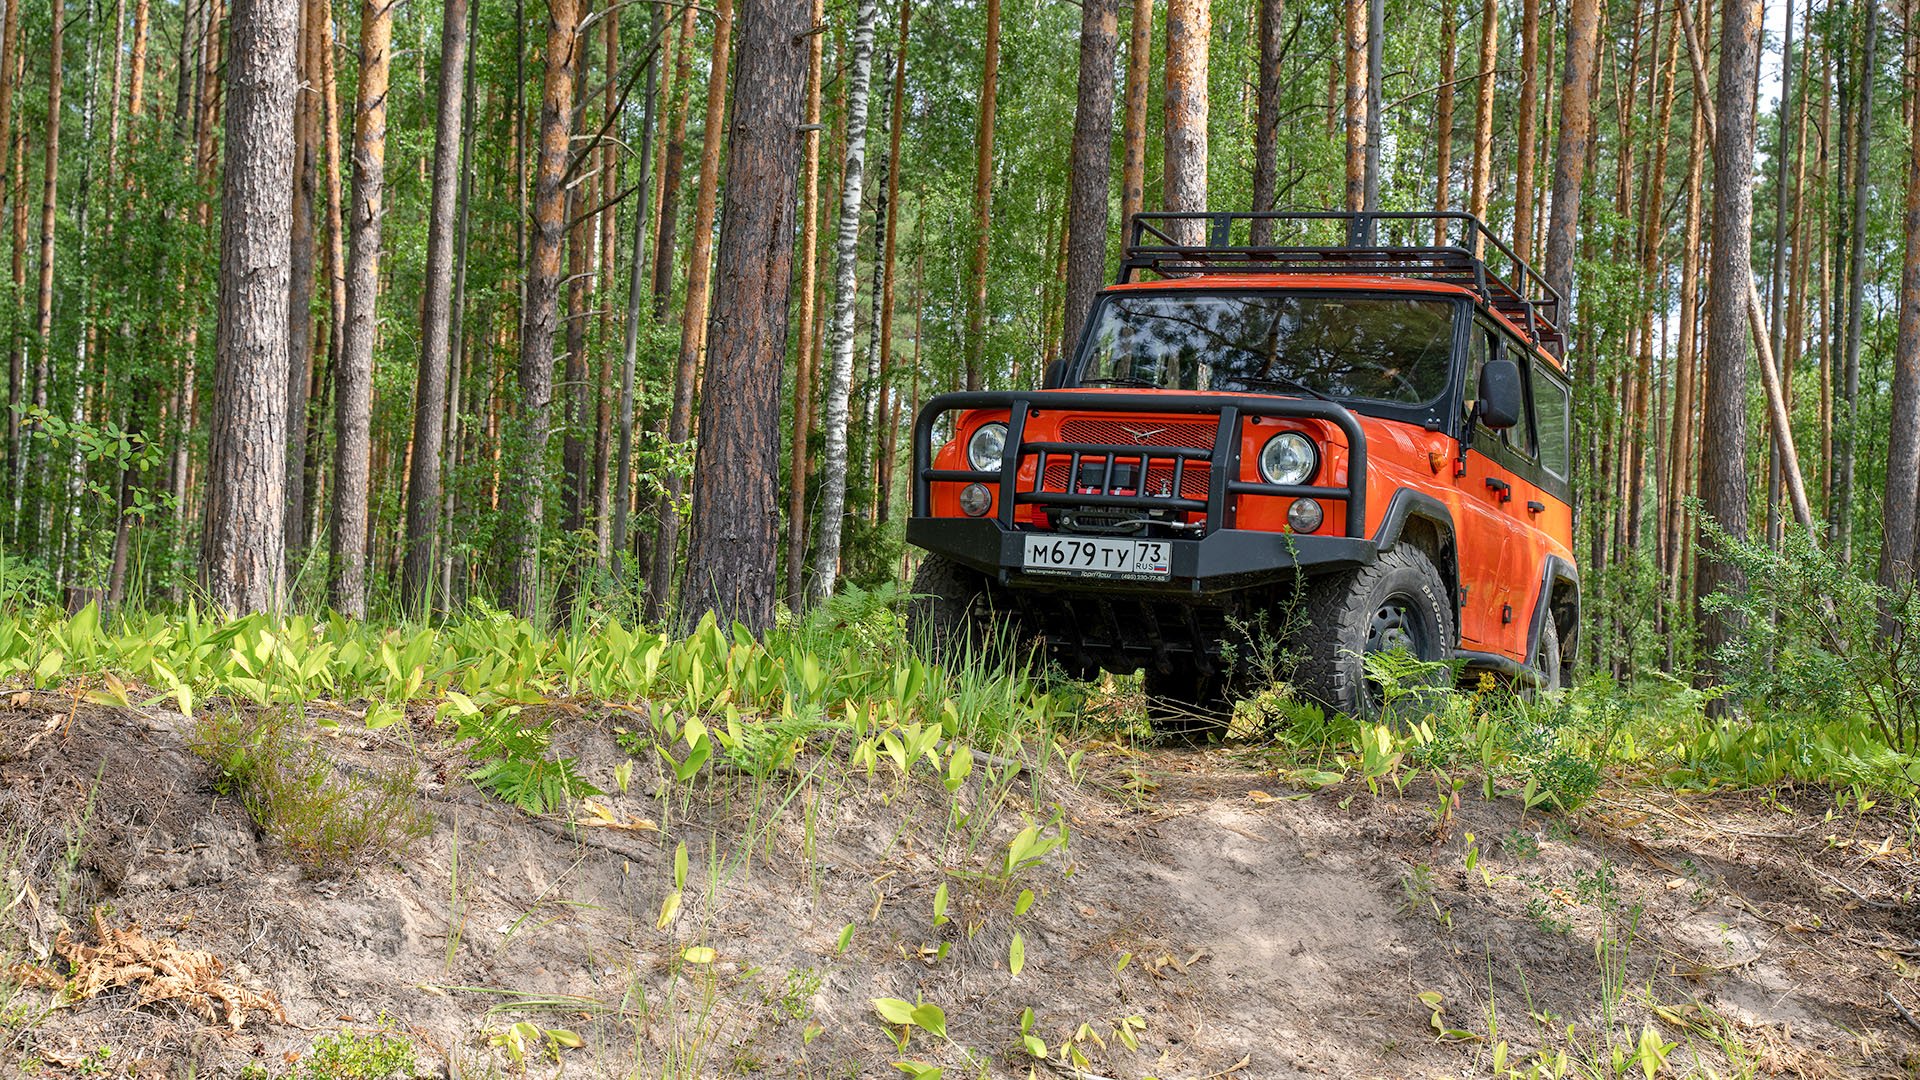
<point>1399,599</point>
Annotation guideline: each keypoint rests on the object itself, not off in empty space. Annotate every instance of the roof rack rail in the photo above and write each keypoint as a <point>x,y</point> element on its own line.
<point>1183,243</point>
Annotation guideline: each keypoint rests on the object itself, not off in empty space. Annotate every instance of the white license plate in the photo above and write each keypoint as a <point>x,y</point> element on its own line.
<point>1149,560</point>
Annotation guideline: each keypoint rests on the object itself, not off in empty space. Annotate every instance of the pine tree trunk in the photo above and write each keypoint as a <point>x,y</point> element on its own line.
<point>1356,46</point>
<point>886,399</point>
<point>1523,185</point>
<point>1570,149</point>
<point>1723,449</point>
<point>242,561</point>
<point>672,165</point>
<point>430,385</point>
<point>1092,167</point>
<point>353,391</point>
<point>43,303</point>
<point>1443,123</point>
<point>1846,421</point>
<point>809,271</point>
<point>1271,34</point>
<point>636,284</point>
<point>693,321</point>
<point>833,459</point>
<point>1482,189</point>
<point>1133,138</point>
<point>976,339</point>
<point>732,548</point>
<point>306,134</point>
<point>1901,550</point>
<point>538,317</point>
<point>1681,451</point>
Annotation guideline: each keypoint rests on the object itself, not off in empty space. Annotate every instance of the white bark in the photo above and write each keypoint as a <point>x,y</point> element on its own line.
<point>833,494</point>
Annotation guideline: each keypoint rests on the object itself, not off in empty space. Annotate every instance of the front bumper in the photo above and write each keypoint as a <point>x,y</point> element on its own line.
<point>1223,561</point>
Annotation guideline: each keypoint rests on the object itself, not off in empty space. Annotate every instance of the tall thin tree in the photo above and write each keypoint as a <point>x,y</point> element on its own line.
<point>241,561</point>
<point>803,351</point>
<point>1091,167</point>
<point>1571,143</point>
<point>430,384</point>
<point>834,452</point>
<point>1189,30</point>
<point>976,336</point>
<point>731,551</point>
<point>1133,126</point>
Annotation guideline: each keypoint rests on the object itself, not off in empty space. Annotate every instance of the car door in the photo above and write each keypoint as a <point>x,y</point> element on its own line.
<point>1489,530</point>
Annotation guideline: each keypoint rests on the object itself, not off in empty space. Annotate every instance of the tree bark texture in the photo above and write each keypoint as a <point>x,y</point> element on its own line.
<point>1482,189</point>
<point>1901,549</point>
<point>1271,36</point>
<point>538,317</point>
<point>353,389</point>
<point>306,130</point>
<point>1571,145</point>
<point>241,558</point>
<point>886,399</point>
<point>430,383</point>
<point>1443,124</point>
<point>803,352</point>
<point>1092,167</point>
<point>1356,45</point>
<point>693,319</point>
<point>976,339</point>
<point>1528,110</point>
<point>1184,180</point>
<point>732,549</point>
<point>1723,448</point>
<point>834,455</point>
<point>1133,139</point>
<point>1847,422</point>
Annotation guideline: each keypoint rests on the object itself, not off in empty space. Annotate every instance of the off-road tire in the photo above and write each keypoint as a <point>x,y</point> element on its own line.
<point>1347,618</point>
<point>1546,657</point>
<point>956,615</point>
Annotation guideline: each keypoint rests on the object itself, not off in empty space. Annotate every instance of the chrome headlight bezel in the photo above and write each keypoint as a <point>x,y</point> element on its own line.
<point>986,446</point>
<point>1289,459</point>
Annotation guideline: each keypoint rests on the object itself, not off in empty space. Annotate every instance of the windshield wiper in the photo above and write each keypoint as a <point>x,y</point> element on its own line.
<point>1122,380</point>
<point>1280,382</point>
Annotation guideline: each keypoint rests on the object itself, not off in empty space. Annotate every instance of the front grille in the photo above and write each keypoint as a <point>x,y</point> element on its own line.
<point>1094,429</point>
<point>1099,430</point>
<point>1193,479</point>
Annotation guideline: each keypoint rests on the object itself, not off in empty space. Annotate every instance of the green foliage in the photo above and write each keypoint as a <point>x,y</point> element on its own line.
<point>512,762</point>
<point>352,1055</point>
<point>327,816</point>
<point>1818,643</point>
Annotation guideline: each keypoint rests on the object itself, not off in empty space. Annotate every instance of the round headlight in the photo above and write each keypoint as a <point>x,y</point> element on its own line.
<point>986,446</point>
<point>1288,458</point>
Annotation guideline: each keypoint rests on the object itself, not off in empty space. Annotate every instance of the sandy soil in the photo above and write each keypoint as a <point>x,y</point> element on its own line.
<point>1224,923</point>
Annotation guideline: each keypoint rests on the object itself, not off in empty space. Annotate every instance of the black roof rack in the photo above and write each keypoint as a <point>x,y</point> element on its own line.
<point>1180,244</point>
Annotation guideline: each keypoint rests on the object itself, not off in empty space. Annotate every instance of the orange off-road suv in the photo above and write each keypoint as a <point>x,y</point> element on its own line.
<point>1373,437</point>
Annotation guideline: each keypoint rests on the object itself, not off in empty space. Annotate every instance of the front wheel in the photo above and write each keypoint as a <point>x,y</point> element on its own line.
<point>1398,602</point>
<point>953,615</point>
<point>1546,657</point>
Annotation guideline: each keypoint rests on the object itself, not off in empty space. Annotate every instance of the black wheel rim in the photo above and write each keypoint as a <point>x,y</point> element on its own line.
<point>1395,625</point>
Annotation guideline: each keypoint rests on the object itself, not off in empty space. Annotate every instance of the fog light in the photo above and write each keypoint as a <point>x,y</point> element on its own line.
<point>1305,515</point>
<point>975,500</point>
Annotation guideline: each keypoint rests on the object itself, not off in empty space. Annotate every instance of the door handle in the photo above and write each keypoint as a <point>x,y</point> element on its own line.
<point>1501,488</point>
<point>1534,506</point>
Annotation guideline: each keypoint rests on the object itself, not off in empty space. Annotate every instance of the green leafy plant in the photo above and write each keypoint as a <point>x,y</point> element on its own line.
<point>512,762</point>
<point>356,1055</point>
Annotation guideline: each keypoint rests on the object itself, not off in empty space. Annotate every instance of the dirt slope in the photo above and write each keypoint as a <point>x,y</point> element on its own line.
<point>1224,924</point>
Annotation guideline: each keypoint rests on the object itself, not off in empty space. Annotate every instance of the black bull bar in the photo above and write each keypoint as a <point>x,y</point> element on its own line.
<point>1222,460</point>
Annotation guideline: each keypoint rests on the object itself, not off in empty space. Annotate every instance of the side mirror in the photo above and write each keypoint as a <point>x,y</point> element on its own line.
<point>1056,375</point>
<point>1502,402</point>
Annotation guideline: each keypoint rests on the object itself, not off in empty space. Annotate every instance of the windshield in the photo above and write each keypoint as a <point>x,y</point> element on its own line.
<point>1389,349</point>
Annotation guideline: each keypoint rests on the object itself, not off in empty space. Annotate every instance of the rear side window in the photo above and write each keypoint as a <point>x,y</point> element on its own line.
<point>1551,421</point>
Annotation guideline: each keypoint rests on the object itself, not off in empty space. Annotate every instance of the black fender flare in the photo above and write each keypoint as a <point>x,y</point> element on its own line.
<point>1557,572</point>
<point>1407,505</point>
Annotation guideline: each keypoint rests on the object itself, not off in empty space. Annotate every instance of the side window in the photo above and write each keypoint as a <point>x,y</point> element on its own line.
<point>1483,344</point>
<point>1551,420</point>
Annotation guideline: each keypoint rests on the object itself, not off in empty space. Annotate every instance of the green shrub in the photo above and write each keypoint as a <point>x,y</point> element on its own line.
<point>352,1055</point>
<point>326,815</point>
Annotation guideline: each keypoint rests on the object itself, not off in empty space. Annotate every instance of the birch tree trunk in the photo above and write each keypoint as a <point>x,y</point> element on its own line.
<point>430,385</point>
<point>693,320</point>
<point>1092,166</point>
<point>833,460</point>
<point>242,562</point>
<point>353,390</point>
<point>539,315</point>
<point>1723,449</point>
<point>731,552</point>
<point>809,272</point>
